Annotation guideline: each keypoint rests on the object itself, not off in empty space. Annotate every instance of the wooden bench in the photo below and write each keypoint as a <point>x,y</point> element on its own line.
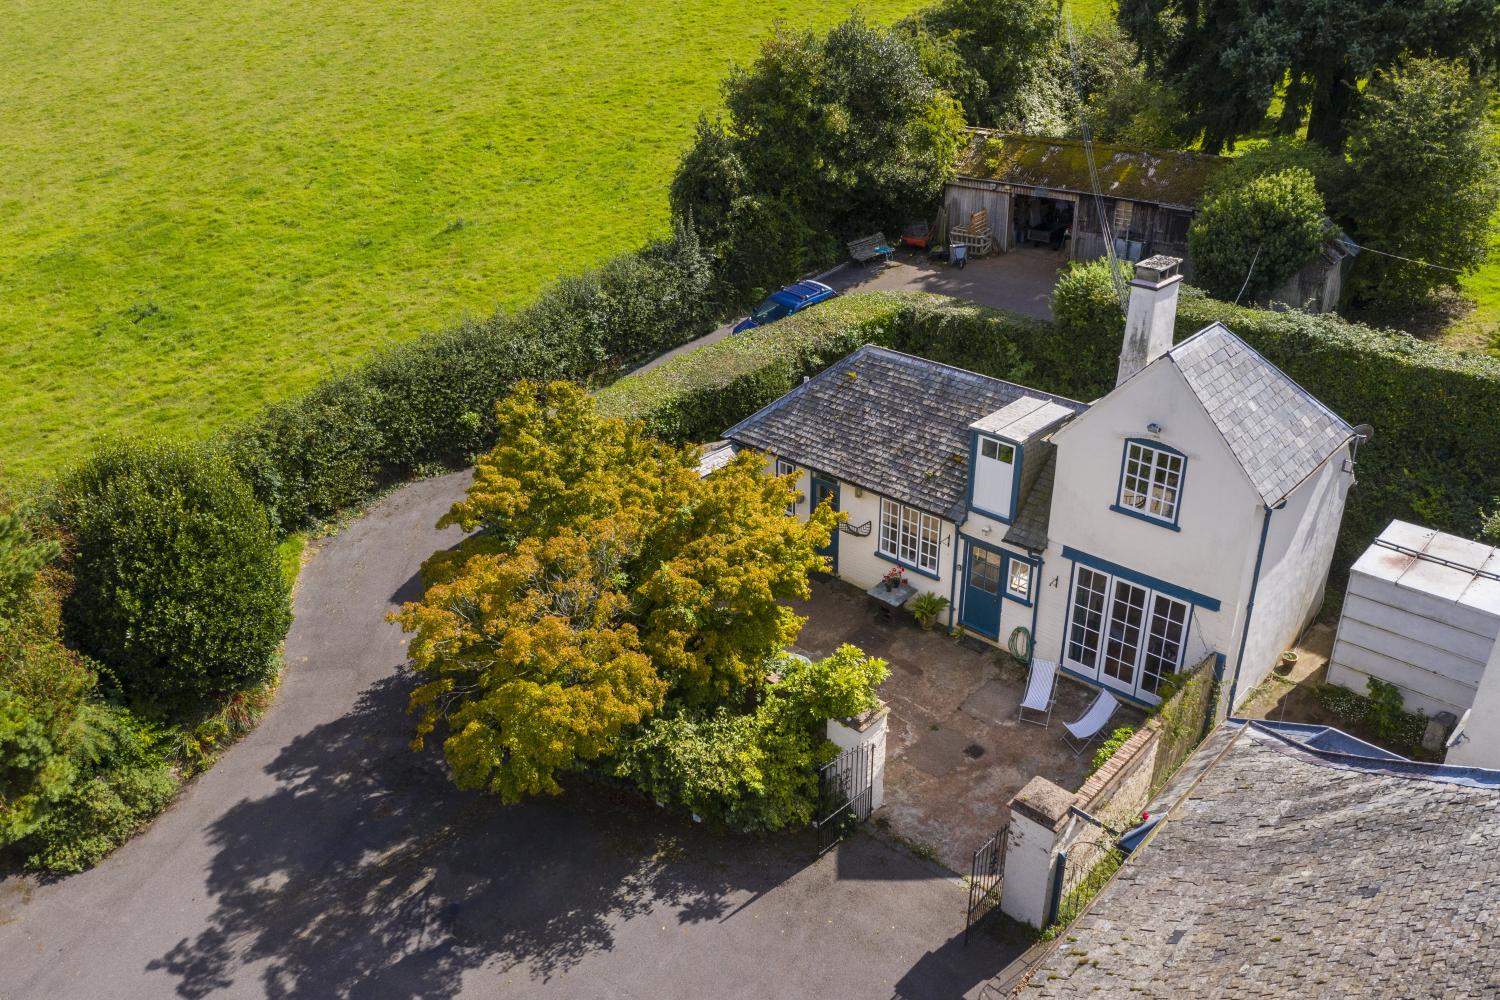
<point>865,250</point>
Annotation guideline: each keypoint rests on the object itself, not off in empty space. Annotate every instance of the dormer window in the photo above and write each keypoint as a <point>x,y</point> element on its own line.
<point>994,481</point>
<point>1151,482</point>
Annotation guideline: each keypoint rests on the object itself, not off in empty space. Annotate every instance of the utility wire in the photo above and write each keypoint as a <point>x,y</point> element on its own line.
<point>1088,152</point>
<point>1348,243</point>
<point>1247,275</point>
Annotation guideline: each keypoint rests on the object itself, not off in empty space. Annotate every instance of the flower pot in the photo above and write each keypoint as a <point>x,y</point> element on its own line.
<point>1286,663</point>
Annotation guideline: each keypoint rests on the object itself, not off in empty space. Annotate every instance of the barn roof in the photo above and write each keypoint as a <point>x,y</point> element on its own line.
<point>1160,176</point>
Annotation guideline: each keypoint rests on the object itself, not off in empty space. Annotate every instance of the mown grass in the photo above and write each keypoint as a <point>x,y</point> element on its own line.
<point>208,206</point>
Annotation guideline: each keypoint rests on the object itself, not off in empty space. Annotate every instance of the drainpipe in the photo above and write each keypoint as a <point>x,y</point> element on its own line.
<point>1260,554</point>
<point>953,583</point>
<point>1036,599</point>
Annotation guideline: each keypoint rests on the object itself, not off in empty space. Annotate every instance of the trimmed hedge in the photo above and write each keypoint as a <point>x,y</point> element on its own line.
<point>431,401</point>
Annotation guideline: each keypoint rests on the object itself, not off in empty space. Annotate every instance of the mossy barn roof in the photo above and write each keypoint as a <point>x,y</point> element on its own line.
<point>1159,176</point>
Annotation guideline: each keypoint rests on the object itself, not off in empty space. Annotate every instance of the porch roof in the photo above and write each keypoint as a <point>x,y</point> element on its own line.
<point>888,422</point>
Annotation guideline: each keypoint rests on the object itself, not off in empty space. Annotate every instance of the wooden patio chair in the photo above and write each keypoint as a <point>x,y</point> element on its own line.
<point>1090,725</point>
<point>1041,692</point>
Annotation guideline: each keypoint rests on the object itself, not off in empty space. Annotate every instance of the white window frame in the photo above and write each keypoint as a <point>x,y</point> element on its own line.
<point>1157,653</point>
<point>1024,594</point>
<point>911,537</point>
<point>785,468</point>
<point>1151,482</point>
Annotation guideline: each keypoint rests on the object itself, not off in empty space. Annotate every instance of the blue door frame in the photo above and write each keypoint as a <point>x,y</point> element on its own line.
<point>981,609</point>
<point>824,489</point>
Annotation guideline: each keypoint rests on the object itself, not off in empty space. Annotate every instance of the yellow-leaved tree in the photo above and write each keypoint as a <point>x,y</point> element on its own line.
<point>606,578</point>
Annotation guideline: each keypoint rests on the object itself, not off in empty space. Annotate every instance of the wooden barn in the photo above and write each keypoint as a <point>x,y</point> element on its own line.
<point>1038,192</point>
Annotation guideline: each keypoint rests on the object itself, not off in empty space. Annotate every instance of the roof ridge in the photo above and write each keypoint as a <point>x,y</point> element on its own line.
<point>1029,391</point>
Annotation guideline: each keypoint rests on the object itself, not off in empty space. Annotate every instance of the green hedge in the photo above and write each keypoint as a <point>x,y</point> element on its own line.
<point>432,400</point>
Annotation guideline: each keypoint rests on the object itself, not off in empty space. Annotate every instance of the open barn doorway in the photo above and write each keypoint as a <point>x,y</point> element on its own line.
<point>1039,220</point>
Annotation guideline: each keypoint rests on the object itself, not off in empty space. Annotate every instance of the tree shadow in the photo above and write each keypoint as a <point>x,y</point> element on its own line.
<point>367,874</point>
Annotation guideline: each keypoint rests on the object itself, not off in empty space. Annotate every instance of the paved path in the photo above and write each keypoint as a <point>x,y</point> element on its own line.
<point>322,858</point>
<point>1020,281</point>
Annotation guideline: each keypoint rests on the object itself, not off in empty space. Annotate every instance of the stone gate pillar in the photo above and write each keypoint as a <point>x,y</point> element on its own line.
<point>1038,814</point>
<point>868,728</point>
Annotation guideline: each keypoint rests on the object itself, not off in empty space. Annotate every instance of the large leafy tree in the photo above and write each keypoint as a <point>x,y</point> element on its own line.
<point>1226,58</point>
<point>826,138</point>
<point>606,577</point>
<point>1425,181</point>
<point>1010,70</point>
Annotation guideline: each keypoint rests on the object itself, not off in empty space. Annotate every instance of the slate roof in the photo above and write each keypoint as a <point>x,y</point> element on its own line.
<point>1278,431</point>
<point>1288,871</point>
<point>1159,176</point>
<point>886,421</point>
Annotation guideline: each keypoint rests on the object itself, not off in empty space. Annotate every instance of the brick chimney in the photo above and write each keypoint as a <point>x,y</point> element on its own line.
<point>1151,315</point>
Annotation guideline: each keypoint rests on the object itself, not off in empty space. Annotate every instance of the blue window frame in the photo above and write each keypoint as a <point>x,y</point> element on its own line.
<point>1020,575</point>
<point>909,537</point>
<point>1151,476</point>
<point>785,468</point>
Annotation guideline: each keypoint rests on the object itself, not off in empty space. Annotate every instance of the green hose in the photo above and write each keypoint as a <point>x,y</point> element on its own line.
<point>1020,644</point>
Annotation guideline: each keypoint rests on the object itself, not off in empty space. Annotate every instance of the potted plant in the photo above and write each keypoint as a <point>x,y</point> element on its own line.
<point>1287,661</point>
<point>894,578</point>
<point>926,607</point>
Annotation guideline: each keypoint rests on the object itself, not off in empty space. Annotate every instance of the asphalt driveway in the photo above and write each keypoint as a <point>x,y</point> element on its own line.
<point>322,858</point>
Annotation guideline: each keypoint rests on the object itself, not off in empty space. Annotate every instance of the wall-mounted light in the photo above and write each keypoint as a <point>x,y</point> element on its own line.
<point>986,529</point>
<point>858,492</point>
<point>1154,428</point>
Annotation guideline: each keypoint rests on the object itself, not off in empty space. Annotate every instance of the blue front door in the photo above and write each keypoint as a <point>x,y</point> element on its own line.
<point>982,591</point>
<point>826,489</point>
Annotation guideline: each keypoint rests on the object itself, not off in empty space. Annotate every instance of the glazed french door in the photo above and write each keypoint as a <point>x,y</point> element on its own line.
<point>1125,635</point>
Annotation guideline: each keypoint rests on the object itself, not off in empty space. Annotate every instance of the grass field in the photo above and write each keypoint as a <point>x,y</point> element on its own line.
<point>207,206</point>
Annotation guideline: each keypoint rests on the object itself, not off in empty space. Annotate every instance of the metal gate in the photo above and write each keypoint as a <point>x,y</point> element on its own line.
<point>846,794</point>
<point>986,872</point>
<point>1082,870</point>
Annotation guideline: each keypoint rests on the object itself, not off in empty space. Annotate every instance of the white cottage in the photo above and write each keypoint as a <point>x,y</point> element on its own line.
<point>1190,511</point>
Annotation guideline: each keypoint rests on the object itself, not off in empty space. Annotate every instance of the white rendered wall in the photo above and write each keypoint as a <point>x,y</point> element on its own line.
<point>1294,569</point>
<point>1219,521</point>
<point>1480,744</point>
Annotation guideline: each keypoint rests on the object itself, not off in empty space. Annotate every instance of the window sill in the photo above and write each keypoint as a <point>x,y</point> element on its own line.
<point>1169,525</point>
<point>906,565</point>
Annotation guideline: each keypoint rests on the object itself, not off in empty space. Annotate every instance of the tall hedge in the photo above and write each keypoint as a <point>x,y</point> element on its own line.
<point>431,400</point>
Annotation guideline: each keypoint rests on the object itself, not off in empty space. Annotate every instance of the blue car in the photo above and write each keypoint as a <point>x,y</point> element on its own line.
<point>779,305</point>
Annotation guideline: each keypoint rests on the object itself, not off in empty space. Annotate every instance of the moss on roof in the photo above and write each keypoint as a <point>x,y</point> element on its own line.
<point>1162,176</point>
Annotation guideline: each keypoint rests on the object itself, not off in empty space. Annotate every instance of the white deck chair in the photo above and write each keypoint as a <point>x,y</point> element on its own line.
<point>1041,692</point>
<point>1087,727</point>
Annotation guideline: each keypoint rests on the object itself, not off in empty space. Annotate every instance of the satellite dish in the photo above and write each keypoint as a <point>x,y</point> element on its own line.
<point>1364,432</point>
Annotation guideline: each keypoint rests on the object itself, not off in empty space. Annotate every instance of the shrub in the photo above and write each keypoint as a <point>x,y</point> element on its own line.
<point>926,607</point>
<point>755,772</point>
<point>1249,239</point>
<point>22,556</point>
<point>178,587</point>
<point>124,781</point>
<point>1110,747</point>
<point>1379,715</point>
<point>432,400</point>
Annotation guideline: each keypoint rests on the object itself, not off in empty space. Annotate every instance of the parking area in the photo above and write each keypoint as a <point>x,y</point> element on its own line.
<point>1020,281</point>
<point>956,752</point>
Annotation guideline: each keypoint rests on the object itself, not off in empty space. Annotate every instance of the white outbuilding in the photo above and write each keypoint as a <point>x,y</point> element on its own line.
<point>1422,612</point>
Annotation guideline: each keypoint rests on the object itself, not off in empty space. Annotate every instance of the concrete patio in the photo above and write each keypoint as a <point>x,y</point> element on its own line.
<point>1020,281</point>
<point>956,753</point>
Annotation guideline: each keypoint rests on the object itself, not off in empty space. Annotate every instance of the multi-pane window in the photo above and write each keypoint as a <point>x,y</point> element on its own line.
<point>909,536</point>
<point>984,570</point>
<point>1163,642</point>
<point>1131,635</point>
<point>1152,482</point>
<point>999,451</point>
<point>1018,580</point>
<point>785,468</point>
<point>1087,618</point>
